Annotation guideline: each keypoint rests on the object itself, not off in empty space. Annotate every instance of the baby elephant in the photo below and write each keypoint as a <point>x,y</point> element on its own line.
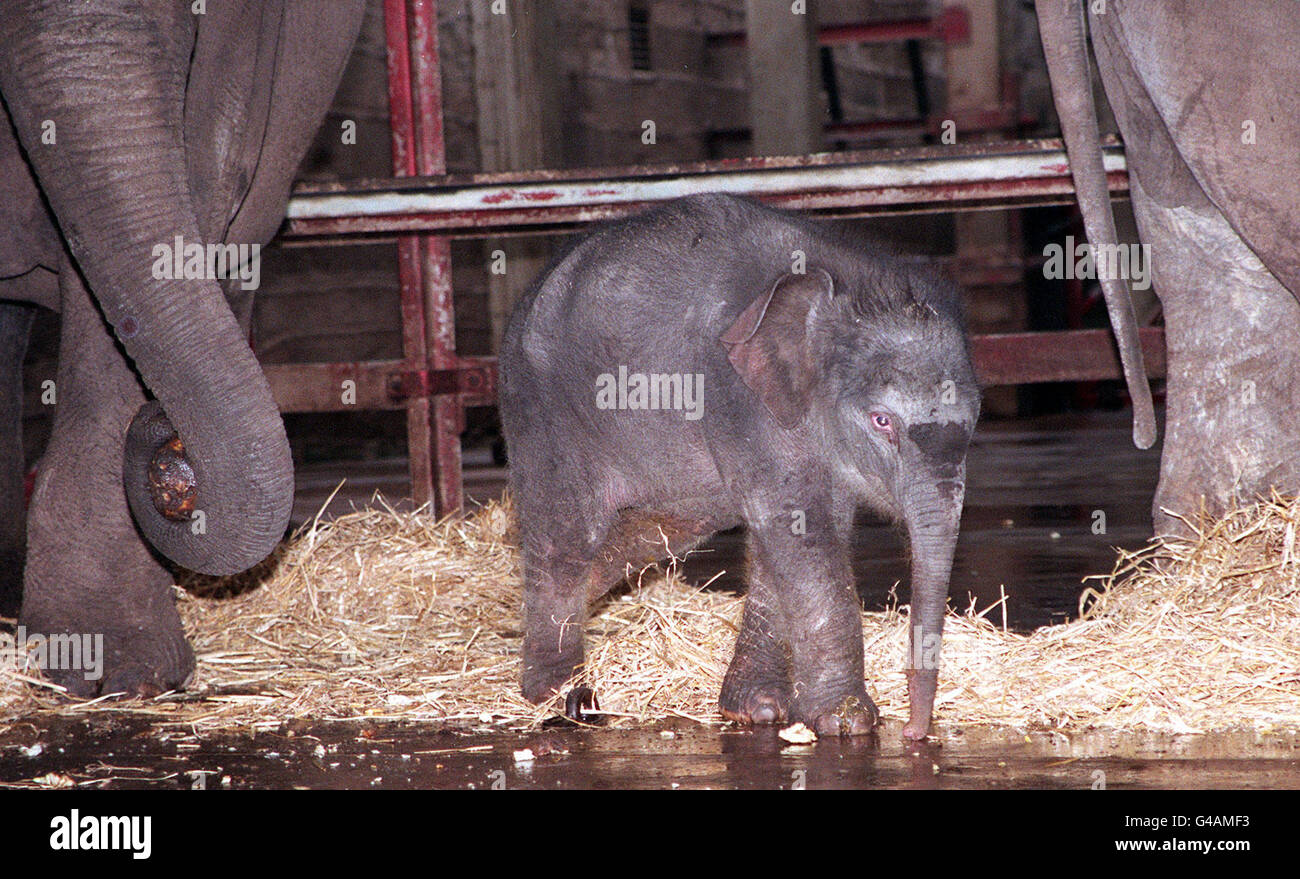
<point>714,362</point>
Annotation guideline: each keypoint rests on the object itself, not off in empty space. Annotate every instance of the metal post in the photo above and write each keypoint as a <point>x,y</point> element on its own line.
<point>424,261</point>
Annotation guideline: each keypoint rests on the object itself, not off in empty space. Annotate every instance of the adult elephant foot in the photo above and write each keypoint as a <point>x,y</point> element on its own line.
<point>95,593</point>
<point>139,652</point>
<point>92,587</point>
<point>1233,335</point>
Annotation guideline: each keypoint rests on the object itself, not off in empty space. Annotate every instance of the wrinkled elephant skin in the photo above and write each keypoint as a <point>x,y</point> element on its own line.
<point>1205,95</point>
<point>148,124</point>
<point>714,362</point>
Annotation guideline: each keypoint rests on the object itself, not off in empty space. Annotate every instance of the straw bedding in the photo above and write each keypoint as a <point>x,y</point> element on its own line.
<point>382,614</point>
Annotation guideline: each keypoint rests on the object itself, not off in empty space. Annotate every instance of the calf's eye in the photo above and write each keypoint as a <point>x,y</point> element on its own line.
<point>882,422</point>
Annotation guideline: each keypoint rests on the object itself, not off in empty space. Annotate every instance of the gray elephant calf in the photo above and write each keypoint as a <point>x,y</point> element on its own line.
<point>714,362</point>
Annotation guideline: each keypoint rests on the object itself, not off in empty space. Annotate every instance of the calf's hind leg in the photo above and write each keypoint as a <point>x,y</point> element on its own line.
<point>556,575</point>
<point>561,578</point>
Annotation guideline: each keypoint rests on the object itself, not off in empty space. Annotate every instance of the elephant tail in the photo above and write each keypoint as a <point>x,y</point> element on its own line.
<point>1063,29</point>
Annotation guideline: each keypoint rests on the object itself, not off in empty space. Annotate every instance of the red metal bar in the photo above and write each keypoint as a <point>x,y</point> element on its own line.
<point>1077,355</point>
<point>434,424</point>
<point>402,126</point>
<point>447,415</point>
<point>399,87</point>
<point>376,384</point>
<point>1003,359</point>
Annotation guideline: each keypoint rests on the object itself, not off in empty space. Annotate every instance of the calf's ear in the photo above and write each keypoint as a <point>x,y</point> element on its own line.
<point>768,345</point>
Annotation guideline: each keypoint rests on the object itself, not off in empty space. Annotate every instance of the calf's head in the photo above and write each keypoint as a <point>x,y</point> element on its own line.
<point>871,368</point>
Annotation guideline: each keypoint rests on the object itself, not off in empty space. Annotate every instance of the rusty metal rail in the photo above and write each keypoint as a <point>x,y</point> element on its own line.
<point>1000,359</point>
<point>890,181</point>
<point>422,208</point>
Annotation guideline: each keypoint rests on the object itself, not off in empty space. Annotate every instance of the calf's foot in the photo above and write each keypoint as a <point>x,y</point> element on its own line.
<point>759,702</point>
<point>849,715</point>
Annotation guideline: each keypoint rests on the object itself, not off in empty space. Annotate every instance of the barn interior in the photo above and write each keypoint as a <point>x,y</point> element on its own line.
<point>448,171</point>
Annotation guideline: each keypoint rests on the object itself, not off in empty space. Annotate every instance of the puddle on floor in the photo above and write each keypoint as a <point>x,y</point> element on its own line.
<point>129,753</point>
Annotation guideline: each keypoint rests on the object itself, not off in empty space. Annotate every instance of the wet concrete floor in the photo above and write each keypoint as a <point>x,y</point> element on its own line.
<point>1031,528</point>
<point>130,754</point>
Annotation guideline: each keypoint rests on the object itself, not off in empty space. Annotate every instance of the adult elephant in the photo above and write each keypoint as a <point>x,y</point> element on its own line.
<point>147,123</point>
<point>1205,95</point>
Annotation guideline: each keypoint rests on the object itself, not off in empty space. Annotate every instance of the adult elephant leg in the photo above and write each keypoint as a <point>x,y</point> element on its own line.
<point>15,323</point>
<point>89,572</point>
<point>250,119</point>
<point>114,74</point>
<point>1233,338</point>
<point>1231,328</point>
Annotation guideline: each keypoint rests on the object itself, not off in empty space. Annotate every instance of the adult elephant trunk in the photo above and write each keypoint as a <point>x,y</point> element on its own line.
<point>933,516</point>
<point>96,93</point>
<point>1063,31</point>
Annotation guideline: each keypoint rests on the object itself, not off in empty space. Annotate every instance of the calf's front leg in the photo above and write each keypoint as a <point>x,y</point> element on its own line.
<point>820,620</point>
